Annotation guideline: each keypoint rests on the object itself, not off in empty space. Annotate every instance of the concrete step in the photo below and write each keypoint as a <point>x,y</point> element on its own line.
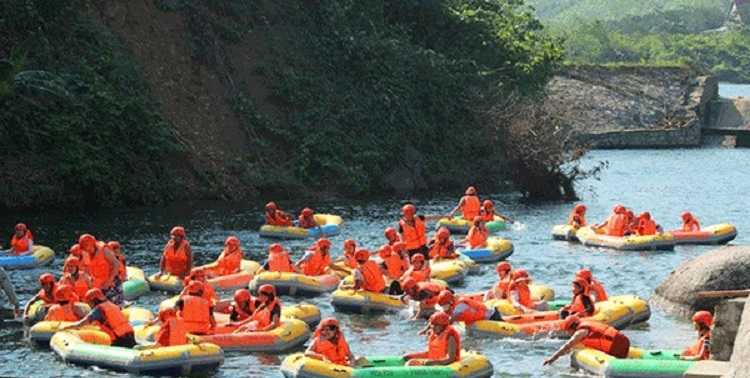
<point>708,369</point>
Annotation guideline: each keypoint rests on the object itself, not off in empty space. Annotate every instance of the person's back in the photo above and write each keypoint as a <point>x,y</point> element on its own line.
<point>605,338</point>
<point>195,311</point>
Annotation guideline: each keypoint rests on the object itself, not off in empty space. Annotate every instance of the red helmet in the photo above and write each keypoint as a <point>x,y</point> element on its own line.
<point>362,255</point>
<point>488,204</point>
<point>114,245</point>
<point>86,241</point>
<point>445,297</point>
<point>323,243</point>
<point>703,318</point>
<point>242,296</point>
<point>390,233</point>
<point>579,208</point>
<point>72,261</point>
<point>167,313</point>
<point>64,293</point>
<point>687,215</point>
<point>440,318</point>
<point>518,273</point>
<point>308,212</point>
<point>275,247</point>
<point>271,206</point>
<point>443,233</point>
<point>178,231</point>
<point>194,287</point>
<point>503,266</point>
<point>645,215</point>
<point>350,243</point>
<point>571,322</point>
<point>328,322</point>
<point>267,289</point>
<point>46,278</point>
<point>581,282</point>
<point>232,241</point>
<point>21,227</point>
<point>470,191</point>
<point>619,209</point>
<point>94,294</point>
<point>585,273</point>
<point>417,257</point>
<point>399,246</point>
<point>385,251</point>
<point>409,210</point>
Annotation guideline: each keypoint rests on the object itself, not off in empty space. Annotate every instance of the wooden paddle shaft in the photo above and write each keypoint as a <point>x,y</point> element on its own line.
<point>724,294</point>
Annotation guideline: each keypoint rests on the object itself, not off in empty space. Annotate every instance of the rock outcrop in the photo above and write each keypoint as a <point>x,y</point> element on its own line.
<point>741,353</point>
<point>725,268</point>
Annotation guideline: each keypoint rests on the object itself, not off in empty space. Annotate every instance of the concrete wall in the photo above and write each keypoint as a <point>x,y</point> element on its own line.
<point>727,318</point>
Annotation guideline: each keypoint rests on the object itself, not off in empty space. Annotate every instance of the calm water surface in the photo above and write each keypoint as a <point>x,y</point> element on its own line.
<point>711,182</point>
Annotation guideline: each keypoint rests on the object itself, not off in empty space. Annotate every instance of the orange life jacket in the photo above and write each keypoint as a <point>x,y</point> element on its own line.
<point>523,295</point>
<point>262,315</point>
<point>414,236</point>
<point>471,207</point>
<point>337,353</point>
<point>394,266</point>
<point>100,267</point>
<point>437,347</point>
<point>691,225</point>
<point>239,313</point>
<point>209,293</point>
<point>62,313</point>
<point>502,288</point>
<point>115,324</point>
<point>372,277</point>
<point>703,343</point>
<point>418,275</point>
<point>442,250</point>
<point>577,220</point>
<point>176,260</point>
<point>196,313</point>
<point>432,289</point>
<point>85,265</point>
<point>477,311</point>
<point>487,216</point>
<point>477,237</point>
<point>21,244</point>
<point>279,262</point>
<point>172,332</point>
<point>578,307</point>
<point>617,225</point>
<point>605,338</point>
<point>646,227</point>
<point>229,262</point>
<point>597,289</point>
<point>80,285</point>
<point>47,299</point>
<point>317,263</point>
<point>278,218</point>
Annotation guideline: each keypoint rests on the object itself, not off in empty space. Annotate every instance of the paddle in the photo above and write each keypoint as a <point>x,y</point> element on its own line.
<point>724,294</point>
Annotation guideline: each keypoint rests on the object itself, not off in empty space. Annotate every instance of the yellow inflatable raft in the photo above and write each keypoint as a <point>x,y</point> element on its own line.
<point>308,313</point>
<point>497,249</point>
<point>330,225</point>
<point>663,241</point>
<point>136,284</point>
<point>639,363</point>
<point>364,302</point>
<point>451,271</point>
<point>471,365</point>
<point>295,283</point>
<point>40,255</point>
<point>715,234</point>
<point>90,347</point>
<point>564,232</point>
<point>165,282</point>
<point>459,225</point>
<point>42,332</point>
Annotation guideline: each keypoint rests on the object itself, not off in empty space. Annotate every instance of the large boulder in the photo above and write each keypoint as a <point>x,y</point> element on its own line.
<point>741,354</point>
<point>726,268</point>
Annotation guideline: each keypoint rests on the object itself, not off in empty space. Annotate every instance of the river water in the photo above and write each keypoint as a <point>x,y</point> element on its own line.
<point>713,183</point>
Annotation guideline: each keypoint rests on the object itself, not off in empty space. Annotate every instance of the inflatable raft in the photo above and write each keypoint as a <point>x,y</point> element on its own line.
<point>451,271</point>
<point>42,332</point>
<point>365,302</point>
<point>40,255</point>
<point>289,335</point>
<point>539,292</point>
<point>663,241</point>
<point>716,234</point>
<point>472,365</point>
<point>564,232</point>
<point>640,363</point>
<point>497,249</point>
<point>459,225</point>
<point>248,269</point>
<point>330,225</point>
<point>136,285</point>
<point>308,313</point>
<point>90,347</point>
<point>165,282</point>
<point>296,284</point>
<point>619,312</point>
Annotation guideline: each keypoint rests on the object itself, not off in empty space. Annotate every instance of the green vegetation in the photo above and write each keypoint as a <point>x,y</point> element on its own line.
<point>76,123</point>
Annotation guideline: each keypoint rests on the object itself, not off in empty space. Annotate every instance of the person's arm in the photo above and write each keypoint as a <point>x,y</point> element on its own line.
<point>29,303</point>
<point>588,304</point>
<point>162,265</point>
<point>577,337</point>
<point>452,353</point>
<point>459,206</point>
<point>310,352</point>
<point>303,259</point>
<point>114,263</point>
<point>10,292</point>
<point>93,315</point>
<point>211,318</point>
<point>189,252</point>
<point>29,250</point>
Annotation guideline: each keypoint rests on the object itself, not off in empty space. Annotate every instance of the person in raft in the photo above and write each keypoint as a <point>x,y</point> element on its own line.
<point>689,222</point>
<point>413,231</point>
<point>441,246</point>
<point>80,281</point>
<point>196,311</point>
<point>478,234</point>
<point>466,310</point>
<point>243,305</point>
<point>425,293</point>
<point>701,350</point>
<point>172,329</point>
<point>418,271</point>
<point>350,246</point>
<point>10,292</point>
<point>122,269</point>
<point>104,267</point>
<point>328,344</point>
<point>577,217</point>
<point>646,225</point>
<point>367,276</point>
<point>468,204</point>
<point>595,287</point>
<point>278,260</point>
<point>229,260</point>
<point>592,334</point>
<point>443,343</point>
<point>22,241</point>
<point>306,219</point>
<point>267,314</point>
<point>46,294</point>
<point>317,260</point>
<point>177,258</point>
<point>392,264</point>
<point>108,317</point>
<point>581,305</point>
<point>276,217</point>
<point>501,290</point>
<point>85,263</point>
<point>520,294</point>
<point>616,224</point>
<point>199,275</point>
<point>65,309</point>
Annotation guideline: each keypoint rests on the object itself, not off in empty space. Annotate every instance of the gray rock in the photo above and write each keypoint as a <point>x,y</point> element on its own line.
<point>725,268</point>
<point>728,316</point>
<point>741,354</point>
